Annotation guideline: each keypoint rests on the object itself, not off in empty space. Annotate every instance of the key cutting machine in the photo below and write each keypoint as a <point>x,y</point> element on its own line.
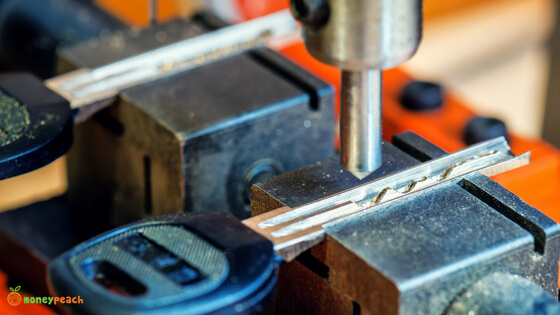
<point>196,116</point>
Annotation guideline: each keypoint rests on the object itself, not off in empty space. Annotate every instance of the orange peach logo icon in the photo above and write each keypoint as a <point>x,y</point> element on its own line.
<point>14,298</point>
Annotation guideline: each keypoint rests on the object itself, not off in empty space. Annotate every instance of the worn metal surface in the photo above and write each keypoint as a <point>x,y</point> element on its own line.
<point>227,120</point>
<point>501,293</point>
<point>93,157</point>
<point>415,254</point>
<point>305,185</point>
<point>429,252</point>
<point>142,158</point>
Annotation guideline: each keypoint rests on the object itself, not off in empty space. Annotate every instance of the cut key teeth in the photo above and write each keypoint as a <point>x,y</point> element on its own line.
<point>295,230</point>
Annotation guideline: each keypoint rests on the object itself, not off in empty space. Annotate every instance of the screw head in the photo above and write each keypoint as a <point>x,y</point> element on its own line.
<point>421,96</point>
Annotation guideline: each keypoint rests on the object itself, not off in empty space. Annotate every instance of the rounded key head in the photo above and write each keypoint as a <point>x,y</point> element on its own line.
<point>35,124</point>
<point>196,263</point>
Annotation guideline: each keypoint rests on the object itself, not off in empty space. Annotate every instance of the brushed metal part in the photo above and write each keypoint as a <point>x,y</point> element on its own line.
<point>360,121</point>
<point>98,86</point>
<point>429,247</point>
<point>295,230</point>
<point>363,34</point>
<point>502,293</point>
<point>359,36</point>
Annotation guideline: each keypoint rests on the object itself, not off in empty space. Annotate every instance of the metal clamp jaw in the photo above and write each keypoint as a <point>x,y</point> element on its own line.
<point>416,253</point>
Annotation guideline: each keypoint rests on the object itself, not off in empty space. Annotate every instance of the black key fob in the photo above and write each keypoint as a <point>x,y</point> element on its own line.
<point>35,124</point>
<point>189,263</point>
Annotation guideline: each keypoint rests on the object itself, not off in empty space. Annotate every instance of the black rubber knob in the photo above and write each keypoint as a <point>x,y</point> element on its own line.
<point>483,128</point>
<point>421,96</point>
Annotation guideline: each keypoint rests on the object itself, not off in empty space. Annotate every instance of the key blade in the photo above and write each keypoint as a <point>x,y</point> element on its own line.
<point>97,87</point>
<point>430,168</point>
<point>295,230</point>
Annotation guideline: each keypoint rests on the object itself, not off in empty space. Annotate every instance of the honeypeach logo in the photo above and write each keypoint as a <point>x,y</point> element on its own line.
<point>14,298</point>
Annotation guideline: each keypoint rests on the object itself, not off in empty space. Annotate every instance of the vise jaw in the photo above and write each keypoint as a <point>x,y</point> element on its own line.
<point>418,253</point>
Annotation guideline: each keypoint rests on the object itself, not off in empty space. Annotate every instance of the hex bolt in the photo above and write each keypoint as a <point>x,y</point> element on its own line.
<point>483,128</point>
<point>312,13</point>
<point>422,96</point>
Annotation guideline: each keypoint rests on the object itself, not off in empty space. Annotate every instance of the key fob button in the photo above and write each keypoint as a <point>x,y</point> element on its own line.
<point>168,261</point>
